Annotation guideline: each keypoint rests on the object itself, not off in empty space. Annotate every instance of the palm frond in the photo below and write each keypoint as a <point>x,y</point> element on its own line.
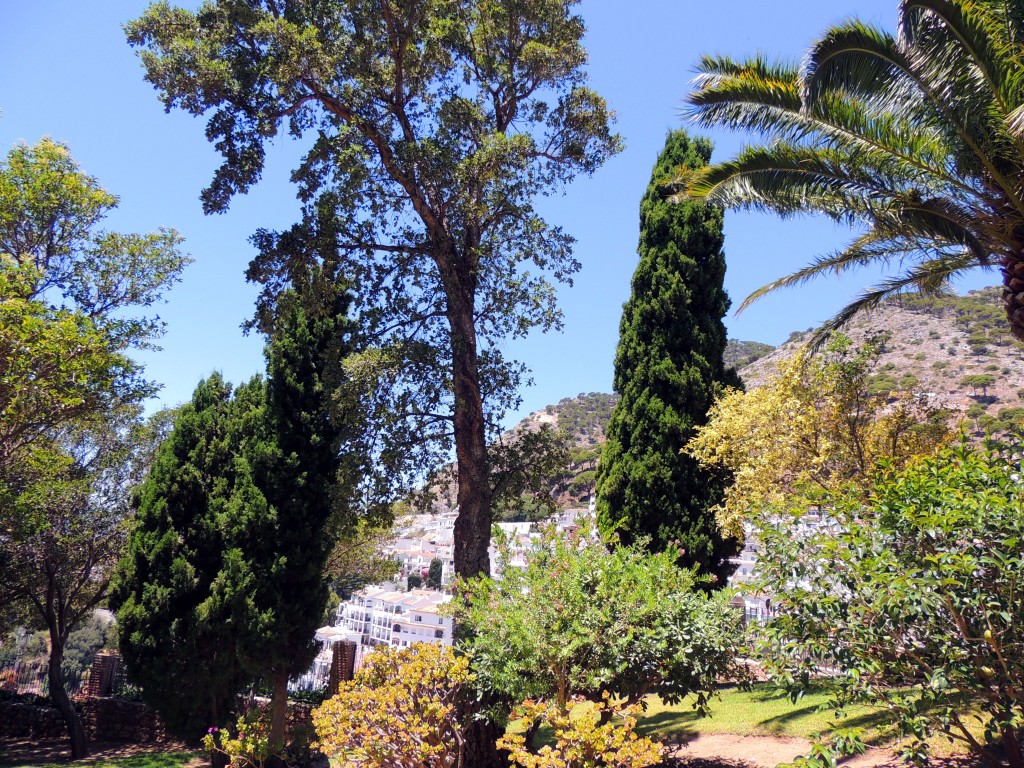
<point>928,278</point>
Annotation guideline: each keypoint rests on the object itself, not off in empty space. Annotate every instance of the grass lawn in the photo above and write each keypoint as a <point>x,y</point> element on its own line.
<point>762,711</point>
<point>148,760</point>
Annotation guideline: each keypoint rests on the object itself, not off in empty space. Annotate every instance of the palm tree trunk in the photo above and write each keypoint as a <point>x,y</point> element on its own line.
<point>1013,294</point>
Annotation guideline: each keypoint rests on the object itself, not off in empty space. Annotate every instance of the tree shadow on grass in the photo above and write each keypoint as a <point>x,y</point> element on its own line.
<point>47,753</point>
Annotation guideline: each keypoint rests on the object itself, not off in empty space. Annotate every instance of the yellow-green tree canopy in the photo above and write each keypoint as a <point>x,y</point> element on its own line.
<point>813,428</point>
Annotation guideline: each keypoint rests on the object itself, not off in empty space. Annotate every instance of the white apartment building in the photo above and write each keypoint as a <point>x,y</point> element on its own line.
<point>380,616</point>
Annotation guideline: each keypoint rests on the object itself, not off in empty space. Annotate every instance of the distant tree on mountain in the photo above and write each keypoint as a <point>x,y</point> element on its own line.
<point>668,368</point>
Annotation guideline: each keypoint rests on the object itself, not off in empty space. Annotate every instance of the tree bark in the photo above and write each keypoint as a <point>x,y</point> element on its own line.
<point>480,750</point>
<point>278,712</point>
<point>472,532</point>
<point>60,699</point>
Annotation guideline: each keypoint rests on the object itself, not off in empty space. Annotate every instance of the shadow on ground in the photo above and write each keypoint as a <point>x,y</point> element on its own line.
<point>40,752</point>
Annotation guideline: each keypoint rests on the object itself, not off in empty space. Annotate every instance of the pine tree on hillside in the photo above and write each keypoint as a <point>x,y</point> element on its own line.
<point>667,368</point>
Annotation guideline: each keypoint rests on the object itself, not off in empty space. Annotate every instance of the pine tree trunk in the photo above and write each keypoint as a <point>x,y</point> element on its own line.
<point>60,699</point>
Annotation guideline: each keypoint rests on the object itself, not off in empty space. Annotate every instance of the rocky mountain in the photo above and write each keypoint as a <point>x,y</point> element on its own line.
<point>955,350</point>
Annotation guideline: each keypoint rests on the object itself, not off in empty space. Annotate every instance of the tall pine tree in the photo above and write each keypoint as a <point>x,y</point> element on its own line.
<point>667,368</point>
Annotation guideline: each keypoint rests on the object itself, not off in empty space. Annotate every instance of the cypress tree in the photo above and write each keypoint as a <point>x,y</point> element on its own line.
<point>176,611</point>
<point>668,366</point>
<point>224,580</point>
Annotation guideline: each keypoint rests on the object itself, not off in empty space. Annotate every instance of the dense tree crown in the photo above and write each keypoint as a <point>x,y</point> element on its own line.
<point>437,124</point>
<point>912,597</point>
<point>668,367</point>
<point>174,606</point>
<point>226,567</point>
<point>919,136</point>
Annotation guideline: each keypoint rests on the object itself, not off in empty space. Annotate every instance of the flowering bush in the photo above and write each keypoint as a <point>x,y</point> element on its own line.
<point>402,710</point>
<point>249,748</point>
<point>601,735</point>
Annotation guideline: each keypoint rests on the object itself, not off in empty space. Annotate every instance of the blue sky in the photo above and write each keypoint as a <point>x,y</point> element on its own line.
<point>66,72</point>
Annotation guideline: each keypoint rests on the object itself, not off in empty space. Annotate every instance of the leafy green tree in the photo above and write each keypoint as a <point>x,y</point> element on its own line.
<point>978,381</point>
<point>406,708</point>
<point>59,568</point>
<point>70,442</point>
<point>914,599</point>
<point>817,427</point>
<point>582,621</point>
<point>306,467</point>
<point>69,300</point>
<point>668,368</point>
<point>917,136</point>
<point>436,125</point>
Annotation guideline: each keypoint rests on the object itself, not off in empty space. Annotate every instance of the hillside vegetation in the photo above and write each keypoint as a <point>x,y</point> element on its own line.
<point>953,350</point>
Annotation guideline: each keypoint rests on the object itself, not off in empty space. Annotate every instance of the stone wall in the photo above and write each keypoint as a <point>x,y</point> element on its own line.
<point>107,719</point>
<point>20,720</point>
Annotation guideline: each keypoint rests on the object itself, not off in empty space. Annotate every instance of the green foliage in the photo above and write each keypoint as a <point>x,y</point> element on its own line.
<point>405,707</point>
<point>414,581</point>
<point>85,642</point>
<point>978,381</point>
<point>247,745</point>
<point>741,353</point>
<point>236,523</point>
<point>69,300</point>
<point>586,415</point>
<point>435,125</point>
<point>524,466</point>
<point>581,621</point>
<point>820,425</point>
<point>434,574</point>
<point>912,597</point>
<point>915,137</point>
<point>175,609</point>
<point>603,735</point>
<point>668,370</point>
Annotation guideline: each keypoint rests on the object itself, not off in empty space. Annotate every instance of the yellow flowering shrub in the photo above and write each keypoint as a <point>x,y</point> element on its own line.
<point>401,711</point>
<point>600,736</point>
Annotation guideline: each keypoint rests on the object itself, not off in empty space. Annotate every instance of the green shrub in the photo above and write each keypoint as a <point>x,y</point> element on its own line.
<point>918,611</point>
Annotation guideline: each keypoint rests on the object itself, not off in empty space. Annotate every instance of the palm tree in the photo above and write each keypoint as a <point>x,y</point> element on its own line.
<point>918,136</point>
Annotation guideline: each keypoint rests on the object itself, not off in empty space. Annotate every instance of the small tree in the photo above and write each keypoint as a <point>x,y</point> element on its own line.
<point>913,597</point>
<point>602,736</point>
<point>580,621</point>
<point>59,570</point>
<point>816,427</point>
<point>175,602</point>
<point>70,295</point>
<point>434,574</point>
<point>406,708</point>
<point>978,381</point>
